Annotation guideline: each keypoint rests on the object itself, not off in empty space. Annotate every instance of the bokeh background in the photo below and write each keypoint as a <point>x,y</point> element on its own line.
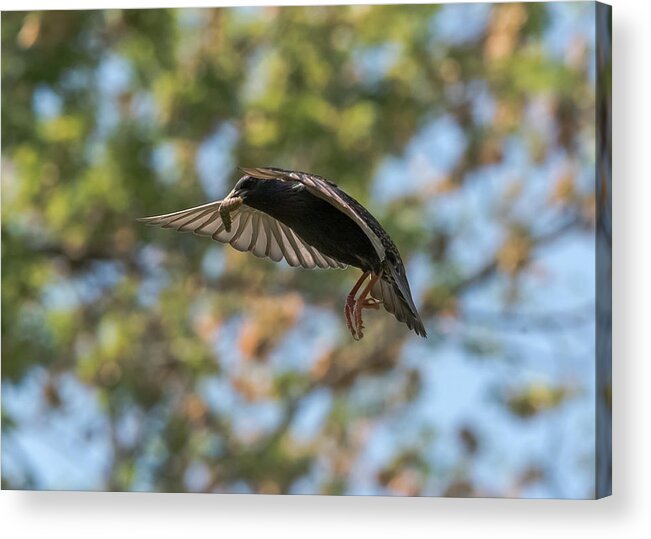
<point>145,360</point>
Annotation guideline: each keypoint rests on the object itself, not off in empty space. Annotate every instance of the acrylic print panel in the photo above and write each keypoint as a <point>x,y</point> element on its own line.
<point>141,359</point>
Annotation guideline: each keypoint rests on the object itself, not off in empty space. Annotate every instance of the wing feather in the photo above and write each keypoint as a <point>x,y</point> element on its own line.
<point>208,225</point>
<point>225,236</point>
<point>251,230</point>
<point>304,257</point>
<point>290,248</point>
<point>255,231</point>
<point>242,237</point>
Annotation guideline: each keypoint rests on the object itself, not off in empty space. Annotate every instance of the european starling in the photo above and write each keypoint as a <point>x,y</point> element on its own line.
<point>310,222</point>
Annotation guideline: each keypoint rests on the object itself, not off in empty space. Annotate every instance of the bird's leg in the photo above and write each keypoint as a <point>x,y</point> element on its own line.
<point>350,302</point>
<point>364,302</point>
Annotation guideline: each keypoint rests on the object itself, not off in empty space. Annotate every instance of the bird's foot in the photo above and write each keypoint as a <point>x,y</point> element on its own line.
<point>348,311</point>
<point>357,325</point>
<point>352,310</point>
<point>354,306</point>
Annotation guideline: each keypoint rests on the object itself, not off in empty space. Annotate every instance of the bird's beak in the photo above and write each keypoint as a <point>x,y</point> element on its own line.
<point>233,194</point>
<point>238,192</point>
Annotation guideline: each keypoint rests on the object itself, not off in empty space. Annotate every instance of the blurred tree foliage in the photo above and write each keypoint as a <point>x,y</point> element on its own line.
<point>107,116</point>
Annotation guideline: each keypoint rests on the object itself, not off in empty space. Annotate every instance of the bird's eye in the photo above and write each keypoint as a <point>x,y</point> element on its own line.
<point>246,183</point>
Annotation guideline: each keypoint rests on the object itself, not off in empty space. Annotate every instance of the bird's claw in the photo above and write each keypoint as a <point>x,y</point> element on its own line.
<point>353,312</point>
<point>348,311</point>
<point>354,305</point>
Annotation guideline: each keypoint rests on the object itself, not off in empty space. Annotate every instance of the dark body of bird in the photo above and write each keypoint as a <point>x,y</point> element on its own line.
<point>314,220</point>
<point>310,222</point>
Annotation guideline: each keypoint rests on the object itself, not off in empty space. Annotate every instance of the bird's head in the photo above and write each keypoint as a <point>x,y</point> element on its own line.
<point>245,186</point>
<point>262,193</point>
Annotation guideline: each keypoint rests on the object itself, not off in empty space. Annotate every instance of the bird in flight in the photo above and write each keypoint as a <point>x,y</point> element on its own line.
<point>310,222</point>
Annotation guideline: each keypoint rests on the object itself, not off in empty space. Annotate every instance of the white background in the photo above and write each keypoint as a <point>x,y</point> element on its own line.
<point>626,514</point>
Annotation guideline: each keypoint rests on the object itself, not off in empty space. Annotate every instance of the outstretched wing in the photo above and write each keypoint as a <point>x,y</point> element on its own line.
<point>394,303</point>
<point>322,188</point>
<point>251,230</point>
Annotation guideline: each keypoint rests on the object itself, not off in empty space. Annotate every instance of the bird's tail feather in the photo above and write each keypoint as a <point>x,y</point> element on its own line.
<point>394,302</point>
